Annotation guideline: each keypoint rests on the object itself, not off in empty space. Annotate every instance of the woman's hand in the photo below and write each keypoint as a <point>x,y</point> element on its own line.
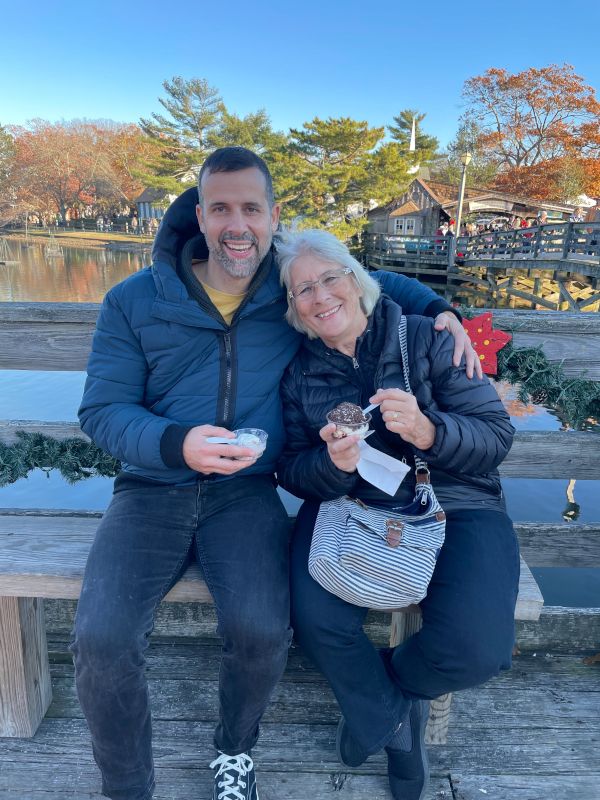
<point>401,414</point>
<point>345,452</point>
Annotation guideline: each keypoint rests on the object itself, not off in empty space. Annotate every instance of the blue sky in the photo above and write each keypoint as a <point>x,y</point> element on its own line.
<point>368,61</point>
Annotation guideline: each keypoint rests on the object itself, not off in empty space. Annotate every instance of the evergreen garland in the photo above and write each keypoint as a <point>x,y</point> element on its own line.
<point>74,458</point>
<point>576,400</point>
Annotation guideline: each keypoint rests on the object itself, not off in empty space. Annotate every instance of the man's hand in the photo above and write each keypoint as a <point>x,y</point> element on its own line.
<point>344,453</point>
<point>462,343</point>
<point>402,415</point>
<point>224,459</point>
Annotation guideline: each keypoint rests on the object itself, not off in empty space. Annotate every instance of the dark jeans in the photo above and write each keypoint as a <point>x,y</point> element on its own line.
<point>467,635</point>
<point>238,531</point>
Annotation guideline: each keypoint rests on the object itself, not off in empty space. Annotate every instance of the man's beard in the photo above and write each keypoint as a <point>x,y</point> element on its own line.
<point>237,267</point>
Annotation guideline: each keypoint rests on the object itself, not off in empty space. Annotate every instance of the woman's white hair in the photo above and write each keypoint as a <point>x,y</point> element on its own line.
<point>290,245</point>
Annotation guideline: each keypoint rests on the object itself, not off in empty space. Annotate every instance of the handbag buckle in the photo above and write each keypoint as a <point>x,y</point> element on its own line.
<point>422,475</point>
<point>394,529</point>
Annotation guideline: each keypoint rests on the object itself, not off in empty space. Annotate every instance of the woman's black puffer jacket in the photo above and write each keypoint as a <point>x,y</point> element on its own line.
<point>473,430</point>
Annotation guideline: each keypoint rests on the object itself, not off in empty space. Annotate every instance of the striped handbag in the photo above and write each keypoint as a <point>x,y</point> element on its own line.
<point>374,557</point>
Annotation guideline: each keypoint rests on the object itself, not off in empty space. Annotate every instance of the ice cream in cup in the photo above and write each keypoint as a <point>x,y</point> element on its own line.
<point>254,438</point>
<point>349,419</point>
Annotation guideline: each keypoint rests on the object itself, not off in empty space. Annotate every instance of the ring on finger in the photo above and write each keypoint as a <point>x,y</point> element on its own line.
<point>394,416</point>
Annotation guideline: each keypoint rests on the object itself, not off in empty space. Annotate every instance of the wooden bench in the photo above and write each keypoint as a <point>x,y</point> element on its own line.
<point>43,552</point>
<point>43,555</point>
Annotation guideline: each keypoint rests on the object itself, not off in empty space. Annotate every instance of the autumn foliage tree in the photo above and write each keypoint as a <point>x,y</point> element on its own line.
<point>61,167</point>
<point>7,190</point>
<point>535,115</point>
<point>533,124</point>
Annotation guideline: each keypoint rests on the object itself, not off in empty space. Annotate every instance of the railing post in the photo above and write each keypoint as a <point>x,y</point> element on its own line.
<point>536,241</point>
<point>451,252</point>
<point>567,240</point>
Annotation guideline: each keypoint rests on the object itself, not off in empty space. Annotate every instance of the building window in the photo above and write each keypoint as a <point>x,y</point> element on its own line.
<point>405,225</point>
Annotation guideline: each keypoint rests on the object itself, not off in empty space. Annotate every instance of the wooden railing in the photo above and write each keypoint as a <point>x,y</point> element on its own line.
<point>428,249</point>
<point>571,243</point>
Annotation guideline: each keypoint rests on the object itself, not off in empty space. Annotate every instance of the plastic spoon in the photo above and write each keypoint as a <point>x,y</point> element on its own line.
<point>370,408</point>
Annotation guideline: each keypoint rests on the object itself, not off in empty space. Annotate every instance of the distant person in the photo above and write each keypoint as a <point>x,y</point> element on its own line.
<point>134,224</point>
<point>578,215</point>
<point>593,216</point>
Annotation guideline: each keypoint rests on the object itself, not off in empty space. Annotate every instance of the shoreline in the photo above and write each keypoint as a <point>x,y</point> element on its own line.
<point>87,239</point>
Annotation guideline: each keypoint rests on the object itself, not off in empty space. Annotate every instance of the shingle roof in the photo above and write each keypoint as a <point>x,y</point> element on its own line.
<point>406,208</point>
<point>150,195</point>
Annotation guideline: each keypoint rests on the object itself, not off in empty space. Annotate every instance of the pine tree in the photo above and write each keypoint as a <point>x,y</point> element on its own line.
<point>183,139</point>
<point>331,179</point>
<point>425,146</point>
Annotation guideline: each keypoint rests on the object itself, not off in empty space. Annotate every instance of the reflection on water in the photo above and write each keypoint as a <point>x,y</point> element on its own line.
<point>80,275</point>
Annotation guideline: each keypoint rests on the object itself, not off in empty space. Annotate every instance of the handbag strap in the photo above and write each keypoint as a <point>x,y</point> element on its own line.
<point>402,327</point>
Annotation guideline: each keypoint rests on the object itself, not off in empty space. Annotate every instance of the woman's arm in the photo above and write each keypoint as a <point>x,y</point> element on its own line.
<point>469,431</point>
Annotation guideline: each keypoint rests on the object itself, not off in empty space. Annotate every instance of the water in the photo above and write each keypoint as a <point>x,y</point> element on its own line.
<point>80,275</point>
<point>85,275</point>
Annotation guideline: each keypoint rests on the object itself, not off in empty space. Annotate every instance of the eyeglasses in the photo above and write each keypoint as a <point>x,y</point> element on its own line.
<point>306,291</point>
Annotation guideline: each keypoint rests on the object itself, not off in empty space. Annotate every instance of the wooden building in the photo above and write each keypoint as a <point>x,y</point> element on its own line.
<point>424,206</point>
<point>152,203</point>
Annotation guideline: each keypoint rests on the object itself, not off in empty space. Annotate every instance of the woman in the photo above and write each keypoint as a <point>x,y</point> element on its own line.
<point>352,353</point>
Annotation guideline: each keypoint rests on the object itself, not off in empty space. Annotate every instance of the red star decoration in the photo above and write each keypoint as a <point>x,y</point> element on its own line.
<point>486,340</point>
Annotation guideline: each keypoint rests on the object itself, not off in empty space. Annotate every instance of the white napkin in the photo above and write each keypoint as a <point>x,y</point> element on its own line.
<point>383,471</point>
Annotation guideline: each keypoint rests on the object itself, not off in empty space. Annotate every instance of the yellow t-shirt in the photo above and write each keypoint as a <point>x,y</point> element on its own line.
<point>226,304</point>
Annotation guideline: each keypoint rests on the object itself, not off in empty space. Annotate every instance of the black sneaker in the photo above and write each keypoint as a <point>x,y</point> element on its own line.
<point>408,770</point>
<point>349,752</point>
<point>234,779</point>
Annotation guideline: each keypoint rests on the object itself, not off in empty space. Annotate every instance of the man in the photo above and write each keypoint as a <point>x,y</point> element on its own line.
<point>186,350</point>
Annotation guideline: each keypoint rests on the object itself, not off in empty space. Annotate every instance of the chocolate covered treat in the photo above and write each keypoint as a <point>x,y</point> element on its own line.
<point>349,419</point>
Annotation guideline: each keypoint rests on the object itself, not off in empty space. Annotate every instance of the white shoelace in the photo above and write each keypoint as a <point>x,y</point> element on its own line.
<point>242,764</point>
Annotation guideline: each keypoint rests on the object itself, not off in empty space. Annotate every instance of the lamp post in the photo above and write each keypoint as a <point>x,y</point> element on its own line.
<point>465,160</point>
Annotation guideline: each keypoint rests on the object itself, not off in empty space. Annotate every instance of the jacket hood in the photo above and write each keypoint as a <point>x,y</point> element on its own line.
<point>177,227</point>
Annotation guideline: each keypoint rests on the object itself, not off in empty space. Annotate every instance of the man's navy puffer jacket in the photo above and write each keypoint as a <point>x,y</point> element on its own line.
<point>473,430</point>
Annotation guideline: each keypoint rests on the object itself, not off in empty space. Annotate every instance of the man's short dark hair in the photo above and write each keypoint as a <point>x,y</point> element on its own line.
<point>232,159</point>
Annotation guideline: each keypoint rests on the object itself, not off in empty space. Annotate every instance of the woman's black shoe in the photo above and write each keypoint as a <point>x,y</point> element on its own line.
<point>349,752</point>
<point>408,770</point>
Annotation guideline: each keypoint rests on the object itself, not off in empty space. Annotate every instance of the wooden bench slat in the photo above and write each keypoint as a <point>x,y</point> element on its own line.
<point>61,333</point>
<point>564,454</point>
<point>44,556</point>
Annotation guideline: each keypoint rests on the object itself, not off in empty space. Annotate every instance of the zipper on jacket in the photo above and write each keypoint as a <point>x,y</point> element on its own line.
<point>228,375</point>
<point>355,363</point>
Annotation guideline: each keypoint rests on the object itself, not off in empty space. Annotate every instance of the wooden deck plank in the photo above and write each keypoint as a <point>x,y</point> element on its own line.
<point>195,783</point>
<point>529,734</point>
<point>195,659</point>
<point>531,787</point>
<point>300,704</point>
